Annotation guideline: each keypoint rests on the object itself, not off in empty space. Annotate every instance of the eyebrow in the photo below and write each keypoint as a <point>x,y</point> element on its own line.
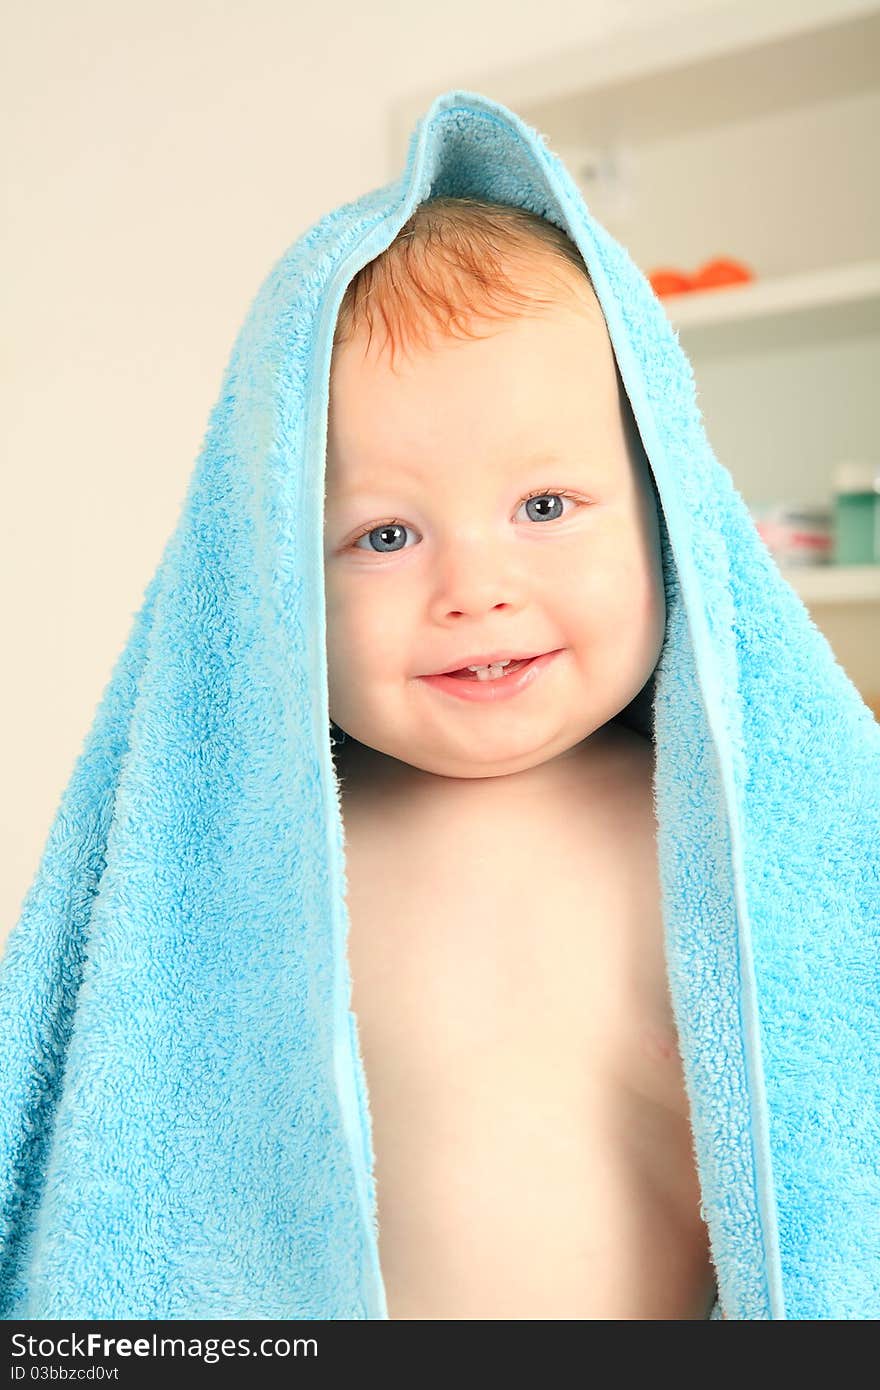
<point>541,458</point>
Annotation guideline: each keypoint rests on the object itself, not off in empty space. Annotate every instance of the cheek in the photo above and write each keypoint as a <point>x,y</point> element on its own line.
<point>365,627</point>
<point>612,588</point>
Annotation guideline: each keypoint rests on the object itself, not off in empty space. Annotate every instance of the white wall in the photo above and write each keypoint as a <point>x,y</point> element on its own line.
<point>158,158</point>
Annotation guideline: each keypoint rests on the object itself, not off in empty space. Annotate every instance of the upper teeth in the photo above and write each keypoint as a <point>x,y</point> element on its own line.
<point>488,673</point>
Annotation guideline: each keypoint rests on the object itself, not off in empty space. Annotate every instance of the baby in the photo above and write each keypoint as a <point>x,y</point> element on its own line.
<point>489,505</point>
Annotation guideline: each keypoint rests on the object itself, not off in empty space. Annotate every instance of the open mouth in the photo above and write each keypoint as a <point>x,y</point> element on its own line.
<point>487,673</point>
<point>493,682</point>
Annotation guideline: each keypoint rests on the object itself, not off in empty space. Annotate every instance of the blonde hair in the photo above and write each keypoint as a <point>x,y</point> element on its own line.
<point>455,261</point>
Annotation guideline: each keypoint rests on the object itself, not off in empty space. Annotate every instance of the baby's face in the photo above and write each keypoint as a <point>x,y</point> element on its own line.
<point>434,552</point>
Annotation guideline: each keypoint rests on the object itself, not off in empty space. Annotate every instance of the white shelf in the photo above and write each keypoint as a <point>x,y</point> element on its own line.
<point>834,584</point>
<point>843,288</point>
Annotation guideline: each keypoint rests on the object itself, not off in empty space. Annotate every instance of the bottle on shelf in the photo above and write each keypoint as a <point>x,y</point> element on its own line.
<point>856,512</point>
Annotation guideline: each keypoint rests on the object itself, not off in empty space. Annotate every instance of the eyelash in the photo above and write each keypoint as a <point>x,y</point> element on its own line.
<point>538,492</point>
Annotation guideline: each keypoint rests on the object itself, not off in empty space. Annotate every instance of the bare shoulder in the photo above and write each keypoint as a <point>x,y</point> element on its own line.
<point>654,1064</point>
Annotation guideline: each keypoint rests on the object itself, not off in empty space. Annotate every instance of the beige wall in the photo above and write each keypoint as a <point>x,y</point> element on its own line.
<point>158,158</point>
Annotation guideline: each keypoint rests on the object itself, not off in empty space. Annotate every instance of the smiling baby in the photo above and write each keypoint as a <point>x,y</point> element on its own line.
<point>495,607</point>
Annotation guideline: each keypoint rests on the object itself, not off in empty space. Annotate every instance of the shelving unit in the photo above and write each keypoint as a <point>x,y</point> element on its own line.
<point>850,291</point>
<point>750,131</point>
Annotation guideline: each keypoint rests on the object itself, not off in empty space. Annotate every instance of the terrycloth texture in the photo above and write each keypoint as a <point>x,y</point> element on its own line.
<point>185,1125</point>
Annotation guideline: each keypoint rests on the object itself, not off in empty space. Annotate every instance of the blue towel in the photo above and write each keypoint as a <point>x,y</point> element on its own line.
<point>185,1127</point>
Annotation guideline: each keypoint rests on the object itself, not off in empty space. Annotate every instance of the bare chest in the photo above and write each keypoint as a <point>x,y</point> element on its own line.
<point>530,1124</point>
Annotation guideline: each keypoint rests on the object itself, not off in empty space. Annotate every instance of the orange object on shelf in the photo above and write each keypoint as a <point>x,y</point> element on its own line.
<point>666,281</point>
<point>721,271</point>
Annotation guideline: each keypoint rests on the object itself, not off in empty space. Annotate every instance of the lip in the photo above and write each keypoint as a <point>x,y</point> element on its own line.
<point>463,689</point>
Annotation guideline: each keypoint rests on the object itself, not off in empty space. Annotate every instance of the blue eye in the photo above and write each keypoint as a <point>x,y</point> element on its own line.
<point>386,530</point>
<point>532,496</point>
<point>390,532</point>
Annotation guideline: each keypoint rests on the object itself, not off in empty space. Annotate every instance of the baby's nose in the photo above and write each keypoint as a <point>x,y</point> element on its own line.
<point>474,579</point>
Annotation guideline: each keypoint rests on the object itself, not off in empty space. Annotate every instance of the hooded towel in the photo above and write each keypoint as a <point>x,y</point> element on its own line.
<point>185,1128</point>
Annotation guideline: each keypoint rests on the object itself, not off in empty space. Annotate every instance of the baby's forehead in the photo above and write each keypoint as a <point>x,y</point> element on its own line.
<point>538,283</point>
<point>510,385</point>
